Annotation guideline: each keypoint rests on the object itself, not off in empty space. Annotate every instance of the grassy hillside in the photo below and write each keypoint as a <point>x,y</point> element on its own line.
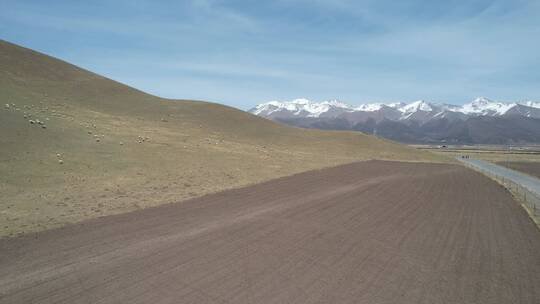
<point>101,147</point>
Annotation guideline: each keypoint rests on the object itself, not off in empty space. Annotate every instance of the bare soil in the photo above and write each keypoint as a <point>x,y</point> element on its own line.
<point>531,168</point>
<point>369,232</point>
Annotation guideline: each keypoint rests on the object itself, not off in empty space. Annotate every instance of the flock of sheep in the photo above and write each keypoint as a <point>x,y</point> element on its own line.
<point>28,116</point>
<point>34,121</point>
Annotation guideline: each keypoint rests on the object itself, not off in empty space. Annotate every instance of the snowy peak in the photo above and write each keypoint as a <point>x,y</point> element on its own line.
<point>336,103</point>
<point>484,106</point>
<point>481,101</point>
<point>531,104</point>
<point>369,107</point>
<point>416,106</point>
<point>300,107</point>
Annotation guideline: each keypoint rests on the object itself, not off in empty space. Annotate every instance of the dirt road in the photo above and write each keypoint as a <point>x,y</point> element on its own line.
<point>373,232</point>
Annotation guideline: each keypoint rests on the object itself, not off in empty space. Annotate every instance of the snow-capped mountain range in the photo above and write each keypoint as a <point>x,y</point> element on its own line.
<point>418,121</point>
<point>305,108</point>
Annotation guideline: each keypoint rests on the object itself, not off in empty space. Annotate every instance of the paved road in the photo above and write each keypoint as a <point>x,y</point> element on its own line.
<point>529,182</point>
<point>372,232</point>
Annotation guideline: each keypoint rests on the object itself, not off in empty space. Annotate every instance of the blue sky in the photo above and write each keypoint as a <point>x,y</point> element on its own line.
<point>245,52</point>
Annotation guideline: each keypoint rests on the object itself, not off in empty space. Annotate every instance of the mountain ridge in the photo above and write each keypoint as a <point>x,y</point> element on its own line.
<point>426,122</point>
<point>479,106</point>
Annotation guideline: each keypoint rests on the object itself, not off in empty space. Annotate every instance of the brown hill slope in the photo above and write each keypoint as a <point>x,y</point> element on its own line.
<point>107,148</point>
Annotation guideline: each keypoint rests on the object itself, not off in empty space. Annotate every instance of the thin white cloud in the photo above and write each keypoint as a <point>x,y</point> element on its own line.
<point>347,49</point>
